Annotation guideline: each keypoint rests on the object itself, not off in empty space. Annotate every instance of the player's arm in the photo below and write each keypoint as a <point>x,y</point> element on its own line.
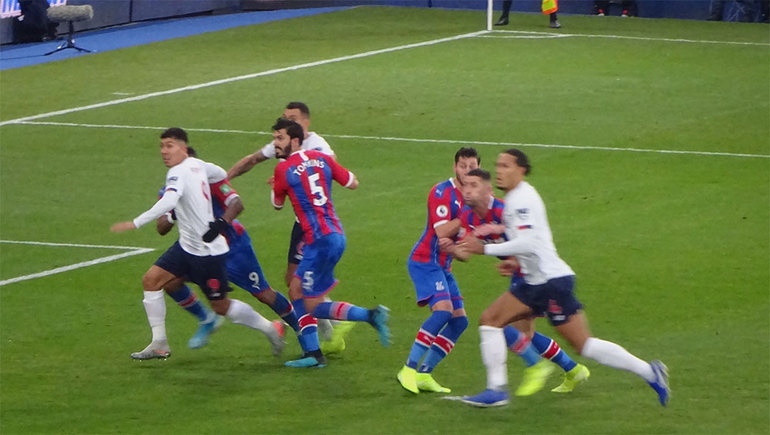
<point>489,229</point>
<point>164,224</point>
<point>166,203</point>
<point>448,245</point>
<point>214,173</point>
<point>448,229</point>
<point>441,215</point>
<point>353,183</point>
<point>340,174</point>
<point>508,266</point>
<point>234,208</point>
<point>523,242</point>
<point>280,188</point>
<point>223,193</point>
<point>245,164</point>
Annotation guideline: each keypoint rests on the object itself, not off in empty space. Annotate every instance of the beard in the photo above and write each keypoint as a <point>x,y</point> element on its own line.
<point>282,153</point>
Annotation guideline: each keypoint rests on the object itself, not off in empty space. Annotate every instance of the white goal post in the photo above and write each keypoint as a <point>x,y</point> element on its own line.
<point>490,10</point>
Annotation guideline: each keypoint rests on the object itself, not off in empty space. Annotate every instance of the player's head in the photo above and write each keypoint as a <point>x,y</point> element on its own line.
<point>173,146</point>
<point>298,112</point>
<point>477,188</point>
<point>287,137</point>
<point>466,159</point>
<point>511,167</point>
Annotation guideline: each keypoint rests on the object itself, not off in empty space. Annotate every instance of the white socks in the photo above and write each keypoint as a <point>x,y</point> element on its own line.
<point>155,306</point>
<point>615,356</point>
<point>494,353</point>
<point>242,314</point>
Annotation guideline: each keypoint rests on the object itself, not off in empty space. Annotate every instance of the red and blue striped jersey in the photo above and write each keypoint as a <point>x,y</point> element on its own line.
<point>444,204</point>
<point>222,193</point>
<point>306,177</point>
<point>471,220</point>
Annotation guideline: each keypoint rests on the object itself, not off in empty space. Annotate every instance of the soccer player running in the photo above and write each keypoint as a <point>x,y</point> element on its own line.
<point>430,270</point>
<point>188,194</point>
<point>482,217</point>
<point>243,269</point>
<point>547,287</point>
<point>306,177</point>
<point>298,112</point>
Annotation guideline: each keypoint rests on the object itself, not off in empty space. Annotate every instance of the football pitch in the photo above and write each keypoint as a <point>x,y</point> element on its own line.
<point>650,145</point>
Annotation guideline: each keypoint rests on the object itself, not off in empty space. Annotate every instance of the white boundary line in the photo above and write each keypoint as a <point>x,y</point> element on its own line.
<point>497,33</point>
<point>132,251</point>
<point>242,77</point>
<point>406,139</point>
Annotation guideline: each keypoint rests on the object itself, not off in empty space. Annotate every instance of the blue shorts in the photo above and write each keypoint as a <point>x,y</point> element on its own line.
<point>555,298</point>
<point>316,270</point>
<point>243,268</point>
<point>433,283</point>
<point>208,272</point>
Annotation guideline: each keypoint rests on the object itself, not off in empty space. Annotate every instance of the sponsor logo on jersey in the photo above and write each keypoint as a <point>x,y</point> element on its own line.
<point>522,213</point>
<point>224,188</point>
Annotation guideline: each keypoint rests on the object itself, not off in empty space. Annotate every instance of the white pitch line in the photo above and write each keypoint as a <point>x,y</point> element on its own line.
<point>132,251</point>
<point>639,38</point>
<point>242,77</point>
<point>71,245</point>
<point>406,139</point>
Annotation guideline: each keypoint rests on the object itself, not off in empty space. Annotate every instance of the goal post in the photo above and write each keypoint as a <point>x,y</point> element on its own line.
<point>490,10</point>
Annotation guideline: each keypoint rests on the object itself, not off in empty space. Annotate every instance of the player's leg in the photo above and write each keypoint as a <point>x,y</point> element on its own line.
<point>166,268</point>
<point>445,341</point>
<point>324,327</point>
<point>574,373</point>
<point>308,325</point>
<point>575,329</point>
<point>504,310</point>
<point>537,369</point>
<point>186,298</point>
<point>210,273</point>
<point>432,290</point>
<point>244,270</point>
<point>321,280</point>
<point>208,321</point>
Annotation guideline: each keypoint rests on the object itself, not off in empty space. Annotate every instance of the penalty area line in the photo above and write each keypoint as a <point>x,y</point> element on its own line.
<point>132,250</point>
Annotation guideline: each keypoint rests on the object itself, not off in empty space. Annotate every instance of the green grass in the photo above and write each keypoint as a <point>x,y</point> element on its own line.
<point>671,250</point>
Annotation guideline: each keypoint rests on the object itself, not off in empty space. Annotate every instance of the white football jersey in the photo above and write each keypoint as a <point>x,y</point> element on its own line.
<point>529,237</point>
<point>311,142</point>
<point>188,194</point>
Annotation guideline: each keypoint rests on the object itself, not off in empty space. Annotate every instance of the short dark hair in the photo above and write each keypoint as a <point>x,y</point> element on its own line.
<point>521,159</point>
<point>293,129</point>
<point>174,133</point>
<point>302,107</point>
<point>191,152</point>
<point>478,172</point>
<point>467,152</point>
